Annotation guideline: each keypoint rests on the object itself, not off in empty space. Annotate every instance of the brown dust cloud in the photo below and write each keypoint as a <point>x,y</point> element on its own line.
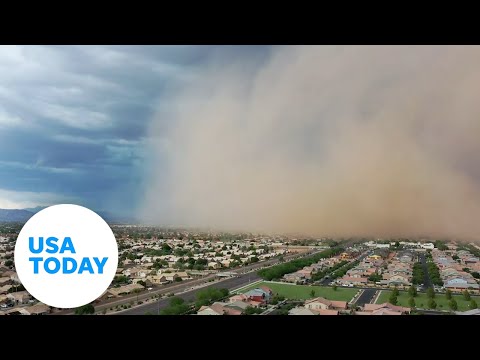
<point>325,141</point>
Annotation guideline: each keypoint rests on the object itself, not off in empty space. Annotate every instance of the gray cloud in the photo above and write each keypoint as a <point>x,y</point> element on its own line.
<point>347,140</point>
<point>73,119</point>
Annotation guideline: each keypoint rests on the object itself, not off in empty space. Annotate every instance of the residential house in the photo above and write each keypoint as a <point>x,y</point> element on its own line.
<point>181,274</point>
<point>460,284</point>
<point>259,295</point>
<point>301,311</point>
<point>321,303</point>
<point>326,312</point>
<point>4,289</point>
<point>20,297</point>
<point>218,308</point>
<point>136,272</point>
<point>396,280</point>
<point>156,279</point>
<point>254,303</point>
<point>170,276</point>
<point>470,260</point>
<point>384,309</point>
<point>267,289</point>
<point>215,265</point>
<point>238,305</point>
<point>356,272</point>
<point>125,289</point>
<point>306,272</point>
<point>295,277</point>
<point>354,281</point>
<point>239,297</point>
<point>37,309</point>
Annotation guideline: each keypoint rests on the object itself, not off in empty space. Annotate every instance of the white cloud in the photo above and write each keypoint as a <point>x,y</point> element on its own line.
<point>39,166</point>
<point>26,199</point>
<point>75,117</point>
<point>8,120</point>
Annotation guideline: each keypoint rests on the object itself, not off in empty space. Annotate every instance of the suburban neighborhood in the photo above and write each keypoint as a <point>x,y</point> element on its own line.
<point>280,276</point>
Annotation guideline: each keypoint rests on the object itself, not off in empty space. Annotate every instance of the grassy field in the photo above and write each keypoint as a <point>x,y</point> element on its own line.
<point>302,292</point>
<point>421,300</point>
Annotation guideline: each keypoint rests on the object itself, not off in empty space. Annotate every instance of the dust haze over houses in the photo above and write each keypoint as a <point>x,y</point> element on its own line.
<point>330,140</point>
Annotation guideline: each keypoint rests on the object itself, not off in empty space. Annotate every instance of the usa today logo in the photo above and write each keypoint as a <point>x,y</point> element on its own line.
<point>66,256</point>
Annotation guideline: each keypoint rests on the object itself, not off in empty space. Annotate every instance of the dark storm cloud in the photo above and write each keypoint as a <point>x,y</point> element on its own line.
<point>73,119</point>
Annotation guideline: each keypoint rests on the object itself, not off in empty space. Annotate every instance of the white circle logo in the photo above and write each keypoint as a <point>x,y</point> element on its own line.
<point>66,256</point>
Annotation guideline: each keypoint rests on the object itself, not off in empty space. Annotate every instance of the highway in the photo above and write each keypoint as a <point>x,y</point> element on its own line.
<point>154,308</point>
<point>247,275</point>
<point>230,284</point>
<point>188,284</point>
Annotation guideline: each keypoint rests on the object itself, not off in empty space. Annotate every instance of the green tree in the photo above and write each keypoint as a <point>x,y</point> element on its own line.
<point>85,310</point>
<point>448,294</point>
<point>411,302</point>
<point>334,287</point>
<point>412,291</point>
<point>430,293</point>
<point>432,304</point>
<point>466,295</point>
<point>473,304</point>
<point>252,311</point>
<point>393,299</point>
<point>176,301</point>
<point>312,293</point>
<point>375,277</point>
<point>395,292</point>
<point>476,275</point>
<point>452,304</point>
<point>8,263</point>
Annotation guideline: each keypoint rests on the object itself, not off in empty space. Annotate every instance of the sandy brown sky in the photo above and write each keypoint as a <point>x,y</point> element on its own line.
<point>327,140</point>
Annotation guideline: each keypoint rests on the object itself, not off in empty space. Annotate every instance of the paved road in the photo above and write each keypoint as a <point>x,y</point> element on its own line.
<point>426,280</point>
<point>433,312</point>
<point>366,297</point>
<point>231,284</point>
<point>184,285</point>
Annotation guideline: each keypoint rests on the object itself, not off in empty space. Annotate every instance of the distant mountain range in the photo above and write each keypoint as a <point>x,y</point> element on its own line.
<point>22,215</point>
<point>15,215</point>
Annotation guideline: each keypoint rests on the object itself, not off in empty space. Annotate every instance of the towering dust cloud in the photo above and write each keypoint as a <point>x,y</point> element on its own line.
<point>335,141</point>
